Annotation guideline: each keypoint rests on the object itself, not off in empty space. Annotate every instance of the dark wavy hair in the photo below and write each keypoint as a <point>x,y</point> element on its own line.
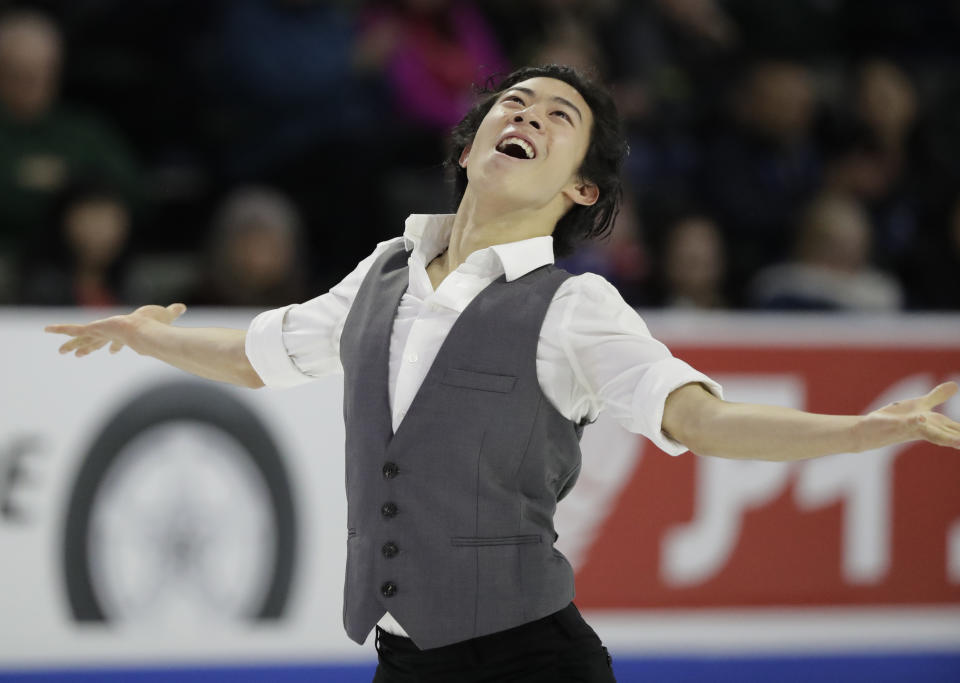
<point>601,164</point>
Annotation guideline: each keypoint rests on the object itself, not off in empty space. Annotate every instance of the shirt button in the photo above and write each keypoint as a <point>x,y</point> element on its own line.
<point>390,549</point>
<point>413,358</point>
<point>389,589</point>
<point>390,470</point>
<point>389,510</point>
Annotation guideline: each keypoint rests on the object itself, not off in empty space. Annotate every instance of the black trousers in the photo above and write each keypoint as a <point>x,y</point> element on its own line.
<point>559,648</point>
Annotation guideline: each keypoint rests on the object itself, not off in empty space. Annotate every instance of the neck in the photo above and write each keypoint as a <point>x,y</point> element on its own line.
<point>478,226</point>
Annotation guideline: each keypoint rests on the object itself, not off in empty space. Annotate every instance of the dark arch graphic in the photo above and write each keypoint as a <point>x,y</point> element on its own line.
<point>167,404</point>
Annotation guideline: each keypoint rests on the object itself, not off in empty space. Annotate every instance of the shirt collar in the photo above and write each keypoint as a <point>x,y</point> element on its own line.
<point>427,235</point>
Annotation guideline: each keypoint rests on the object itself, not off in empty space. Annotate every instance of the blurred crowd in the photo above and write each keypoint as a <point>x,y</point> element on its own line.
<point>788,154</point>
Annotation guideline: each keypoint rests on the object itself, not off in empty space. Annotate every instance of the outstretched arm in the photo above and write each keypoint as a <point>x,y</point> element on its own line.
<point>710,426</point>
<point>213,353</point>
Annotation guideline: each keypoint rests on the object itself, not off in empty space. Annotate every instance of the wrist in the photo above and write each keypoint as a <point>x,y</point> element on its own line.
<point>858,434</point>
<point>142,334</point>
<point>875,430</point>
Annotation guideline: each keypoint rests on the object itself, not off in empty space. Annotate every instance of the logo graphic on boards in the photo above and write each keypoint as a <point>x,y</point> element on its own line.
<point>181,512</point>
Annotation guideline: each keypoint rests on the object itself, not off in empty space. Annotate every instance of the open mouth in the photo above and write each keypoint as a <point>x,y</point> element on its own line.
<point>516,148</point>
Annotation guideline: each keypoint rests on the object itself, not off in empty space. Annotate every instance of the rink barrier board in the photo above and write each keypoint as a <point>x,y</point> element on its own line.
<point>904,626</point>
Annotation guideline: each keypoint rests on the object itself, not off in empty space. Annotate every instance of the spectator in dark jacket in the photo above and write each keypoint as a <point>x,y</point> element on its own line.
<point>81,260</point>
<point>44,145</point>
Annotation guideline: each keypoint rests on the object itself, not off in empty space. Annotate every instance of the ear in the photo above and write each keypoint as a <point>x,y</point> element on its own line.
<point>582,192</point>
<point>464,155</point>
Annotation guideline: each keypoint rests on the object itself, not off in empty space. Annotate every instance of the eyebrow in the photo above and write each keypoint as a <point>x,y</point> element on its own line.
<point>561,100</point>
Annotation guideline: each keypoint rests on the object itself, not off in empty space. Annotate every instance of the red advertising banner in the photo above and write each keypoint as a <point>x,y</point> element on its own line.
<point>880,528</point>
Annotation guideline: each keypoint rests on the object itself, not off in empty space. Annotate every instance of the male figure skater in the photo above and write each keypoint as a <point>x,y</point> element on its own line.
<point>470,365</point>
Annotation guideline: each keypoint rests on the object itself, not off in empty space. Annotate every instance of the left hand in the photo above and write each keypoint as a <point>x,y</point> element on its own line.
<point>118,330</point>
<point>911,420</point>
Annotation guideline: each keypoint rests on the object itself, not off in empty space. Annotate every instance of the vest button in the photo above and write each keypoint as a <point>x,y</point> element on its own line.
<point>389,510</point>
<point>390,470</point>
<point>389,589</point>
<point>389,549</point>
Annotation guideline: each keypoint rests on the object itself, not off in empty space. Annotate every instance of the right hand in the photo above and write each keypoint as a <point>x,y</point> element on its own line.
<point>118,330</point>
<point>913,419</point>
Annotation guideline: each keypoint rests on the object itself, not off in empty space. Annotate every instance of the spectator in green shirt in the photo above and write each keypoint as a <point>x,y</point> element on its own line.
<point>44,145</point>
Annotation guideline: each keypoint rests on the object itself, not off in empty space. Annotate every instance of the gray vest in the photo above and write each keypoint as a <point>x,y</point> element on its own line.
<point>450,519</point>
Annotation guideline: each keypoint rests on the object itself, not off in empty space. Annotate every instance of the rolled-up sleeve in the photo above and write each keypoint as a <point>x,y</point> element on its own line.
<point>656,383</point>
<point>267,352</point>
<point>298,343</point>
<point>596,354</point>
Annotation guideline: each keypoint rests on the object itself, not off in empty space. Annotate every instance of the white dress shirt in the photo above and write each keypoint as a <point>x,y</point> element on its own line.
<point>595,352</point>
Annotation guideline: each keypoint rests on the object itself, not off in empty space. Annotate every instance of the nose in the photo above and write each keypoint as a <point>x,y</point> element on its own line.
<point>533,122</point>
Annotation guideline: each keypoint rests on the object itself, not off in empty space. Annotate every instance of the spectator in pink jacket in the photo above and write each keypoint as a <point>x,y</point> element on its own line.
<point>434,51</point>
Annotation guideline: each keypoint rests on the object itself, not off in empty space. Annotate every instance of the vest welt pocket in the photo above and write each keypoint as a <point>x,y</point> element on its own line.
<point>483,381</point>
<point>494,540</point>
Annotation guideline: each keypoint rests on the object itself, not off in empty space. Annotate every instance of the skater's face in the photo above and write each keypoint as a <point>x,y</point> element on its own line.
<point>529,147</point>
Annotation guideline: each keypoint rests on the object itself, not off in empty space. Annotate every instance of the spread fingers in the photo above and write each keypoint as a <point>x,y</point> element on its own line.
<point>90,348</point>
<point>72,330</point>
<point>76,343</point>
<point>940,430</point>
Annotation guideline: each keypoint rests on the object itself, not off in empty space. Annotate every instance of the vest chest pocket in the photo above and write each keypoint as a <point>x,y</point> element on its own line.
<point>482,381</point>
